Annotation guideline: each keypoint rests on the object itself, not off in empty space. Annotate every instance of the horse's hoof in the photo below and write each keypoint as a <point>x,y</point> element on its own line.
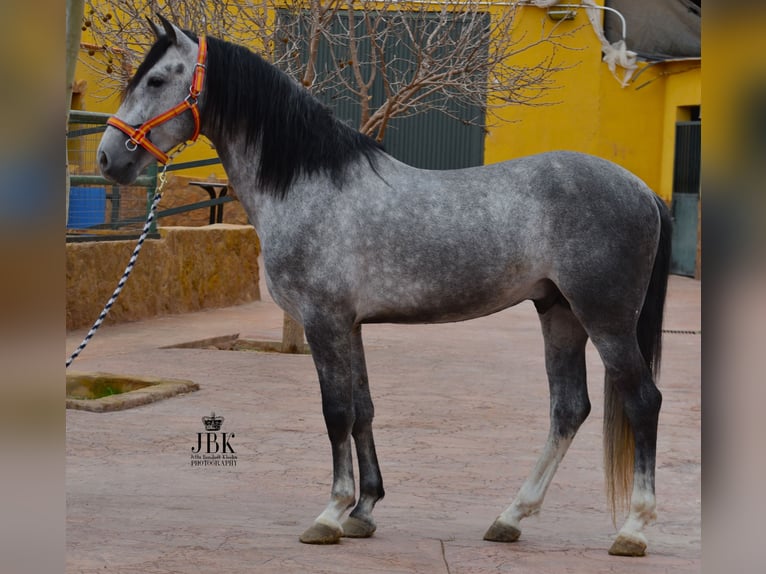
<point>625,545</point>
<point>502,532</point>
<point>320,533</point>
<point>356,528</point>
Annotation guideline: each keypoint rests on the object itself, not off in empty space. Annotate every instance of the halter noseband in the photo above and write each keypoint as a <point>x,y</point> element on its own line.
<point>140,136</point>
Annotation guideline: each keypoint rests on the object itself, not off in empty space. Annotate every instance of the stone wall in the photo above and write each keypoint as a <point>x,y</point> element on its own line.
<point>188,269</point>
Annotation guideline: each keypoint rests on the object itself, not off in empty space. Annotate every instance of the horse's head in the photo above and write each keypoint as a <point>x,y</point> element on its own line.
<point>159,109</point>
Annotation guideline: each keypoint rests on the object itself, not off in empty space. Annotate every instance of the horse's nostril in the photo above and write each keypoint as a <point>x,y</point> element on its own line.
<point>103,160</point>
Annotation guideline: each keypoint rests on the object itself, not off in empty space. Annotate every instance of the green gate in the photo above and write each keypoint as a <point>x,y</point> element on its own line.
<point>686,188</point>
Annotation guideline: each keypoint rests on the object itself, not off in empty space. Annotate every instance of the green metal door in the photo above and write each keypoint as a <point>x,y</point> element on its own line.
<point>686,187</point>
<point>448,139</point>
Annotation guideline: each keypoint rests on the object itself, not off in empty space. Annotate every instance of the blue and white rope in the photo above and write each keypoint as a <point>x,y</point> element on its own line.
<point>147,226</point>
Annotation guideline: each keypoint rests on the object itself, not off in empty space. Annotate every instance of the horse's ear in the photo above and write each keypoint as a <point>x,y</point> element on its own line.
<point>154,28</point>
<point>170,30</point>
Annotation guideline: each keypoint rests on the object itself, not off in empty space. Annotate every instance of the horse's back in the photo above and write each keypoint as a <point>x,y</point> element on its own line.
<point>542,211</point>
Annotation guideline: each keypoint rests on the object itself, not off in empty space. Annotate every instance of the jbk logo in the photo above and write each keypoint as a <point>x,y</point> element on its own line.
<point>213,448</point>
<point>212,443</point>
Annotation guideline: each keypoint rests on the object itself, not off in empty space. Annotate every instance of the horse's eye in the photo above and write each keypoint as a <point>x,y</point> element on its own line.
<point>155,82</point>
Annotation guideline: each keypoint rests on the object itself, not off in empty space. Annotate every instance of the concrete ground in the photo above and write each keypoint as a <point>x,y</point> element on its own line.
<point>461,415</point>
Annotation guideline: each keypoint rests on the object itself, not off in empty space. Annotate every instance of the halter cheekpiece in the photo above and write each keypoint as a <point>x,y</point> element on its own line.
<point>140,136</point>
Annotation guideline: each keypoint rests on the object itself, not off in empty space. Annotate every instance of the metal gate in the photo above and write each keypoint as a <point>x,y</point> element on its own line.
<point>686,188</point>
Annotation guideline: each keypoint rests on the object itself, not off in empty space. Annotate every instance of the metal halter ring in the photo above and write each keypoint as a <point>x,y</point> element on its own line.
<point>130,141</point>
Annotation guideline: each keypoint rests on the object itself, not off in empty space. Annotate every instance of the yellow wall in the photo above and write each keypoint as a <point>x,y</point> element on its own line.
<point>560,123</point>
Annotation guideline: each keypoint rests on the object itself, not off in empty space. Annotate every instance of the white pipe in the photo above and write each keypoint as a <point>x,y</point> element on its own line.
<point>597,7</point>
<point>531,3</point>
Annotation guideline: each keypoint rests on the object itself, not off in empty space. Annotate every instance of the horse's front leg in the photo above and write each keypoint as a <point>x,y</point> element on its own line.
<point>331,349</point>
<point>360,523</point>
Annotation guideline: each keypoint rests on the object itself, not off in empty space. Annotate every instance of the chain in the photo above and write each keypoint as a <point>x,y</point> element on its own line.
<point>162,180</point>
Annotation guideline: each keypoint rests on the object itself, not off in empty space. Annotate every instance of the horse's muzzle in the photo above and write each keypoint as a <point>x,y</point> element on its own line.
<point>122,173</point>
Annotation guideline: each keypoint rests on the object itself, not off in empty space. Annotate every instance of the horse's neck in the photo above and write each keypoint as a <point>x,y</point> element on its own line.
<point>241,165</point>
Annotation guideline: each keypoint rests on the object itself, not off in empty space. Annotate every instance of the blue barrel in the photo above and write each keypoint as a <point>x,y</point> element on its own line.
<point>87,207</point>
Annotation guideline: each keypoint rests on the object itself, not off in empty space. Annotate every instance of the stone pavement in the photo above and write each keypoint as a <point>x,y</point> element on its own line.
<point>461,416</point>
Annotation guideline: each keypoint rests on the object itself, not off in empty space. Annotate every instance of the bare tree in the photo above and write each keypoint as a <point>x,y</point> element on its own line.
<point>429,54</point>
<point>391,58</point>
<point>120,34</point>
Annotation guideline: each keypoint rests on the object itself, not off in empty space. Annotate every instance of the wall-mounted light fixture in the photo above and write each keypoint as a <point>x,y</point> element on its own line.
<point>559,13</point>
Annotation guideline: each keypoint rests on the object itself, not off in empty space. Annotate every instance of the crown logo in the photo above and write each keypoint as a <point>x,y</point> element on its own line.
<point>212,423</point>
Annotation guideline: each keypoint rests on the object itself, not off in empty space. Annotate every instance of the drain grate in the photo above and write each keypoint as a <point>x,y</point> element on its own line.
<point>681,332</point>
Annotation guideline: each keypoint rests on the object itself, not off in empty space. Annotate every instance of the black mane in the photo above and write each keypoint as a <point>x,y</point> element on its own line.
<point>295,133</point>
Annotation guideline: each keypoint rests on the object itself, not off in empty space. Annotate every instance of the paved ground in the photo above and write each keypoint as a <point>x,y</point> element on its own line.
<point>461,417</point>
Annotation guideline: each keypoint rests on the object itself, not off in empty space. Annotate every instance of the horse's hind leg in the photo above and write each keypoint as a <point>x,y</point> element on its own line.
<point>360,524</point>
<point>330,344</point>
<point>569,406</point>
<point>632,407</point>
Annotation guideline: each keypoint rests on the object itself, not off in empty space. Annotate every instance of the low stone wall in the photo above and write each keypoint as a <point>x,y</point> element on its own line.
<point>188,269</point>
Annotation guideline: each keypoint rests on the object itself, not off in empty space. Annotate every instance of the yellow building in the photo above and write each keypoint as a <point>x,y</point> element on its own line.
<point>589,110</point>
<point>633,125</point>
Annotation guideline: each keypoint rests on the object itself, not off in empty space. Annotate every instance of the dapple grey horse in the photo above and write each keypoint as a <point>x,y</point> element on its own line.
<point>350,236</point>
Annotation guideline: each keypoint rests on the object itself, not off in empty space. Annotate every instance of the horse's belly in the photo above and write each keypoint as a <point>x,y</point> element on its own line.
<point>416,302</point>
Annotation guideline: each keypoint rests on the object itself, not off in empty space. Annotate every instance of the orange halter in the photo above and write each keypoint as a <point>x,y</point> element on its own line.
<point>139,136</point>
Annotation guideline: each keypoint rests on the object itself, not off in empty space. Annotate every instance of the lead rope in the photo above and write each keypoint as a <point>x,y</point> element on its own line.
<point>162,177</point>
